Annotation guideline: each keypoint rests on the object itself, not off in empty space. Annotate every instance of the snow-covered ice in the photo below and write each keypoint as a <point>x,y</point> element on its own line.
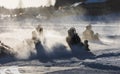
<point>107,54</point>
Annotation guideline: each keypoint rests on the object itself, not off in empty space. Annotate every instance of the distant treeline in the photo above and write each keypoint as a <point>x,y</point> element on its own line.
<point>91,8</point>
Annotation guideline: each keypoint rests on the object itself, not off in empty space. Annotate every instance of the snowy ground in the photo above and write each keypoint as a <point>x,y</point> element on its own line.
<point>107,60</point>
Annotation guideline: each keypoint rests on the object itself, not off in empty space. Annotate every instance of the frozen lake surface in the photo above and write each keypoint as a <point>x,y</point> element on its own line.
<point>107,53</point>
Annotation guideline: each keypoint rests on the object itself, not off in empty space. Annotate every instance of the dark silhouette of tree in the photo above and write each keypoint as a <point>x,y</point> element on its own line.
<point>113,4</point>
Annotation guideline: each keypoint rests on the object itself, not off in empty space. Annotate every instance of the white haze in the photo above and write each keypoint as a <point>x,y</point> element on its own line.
<point>26,3</point>
<point>18,35</point>
<point>20,39</point>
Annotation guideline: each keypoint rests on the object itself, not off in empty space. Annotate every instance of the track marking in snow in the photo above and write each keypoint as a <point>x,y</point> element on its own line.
<point>32,69</point>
